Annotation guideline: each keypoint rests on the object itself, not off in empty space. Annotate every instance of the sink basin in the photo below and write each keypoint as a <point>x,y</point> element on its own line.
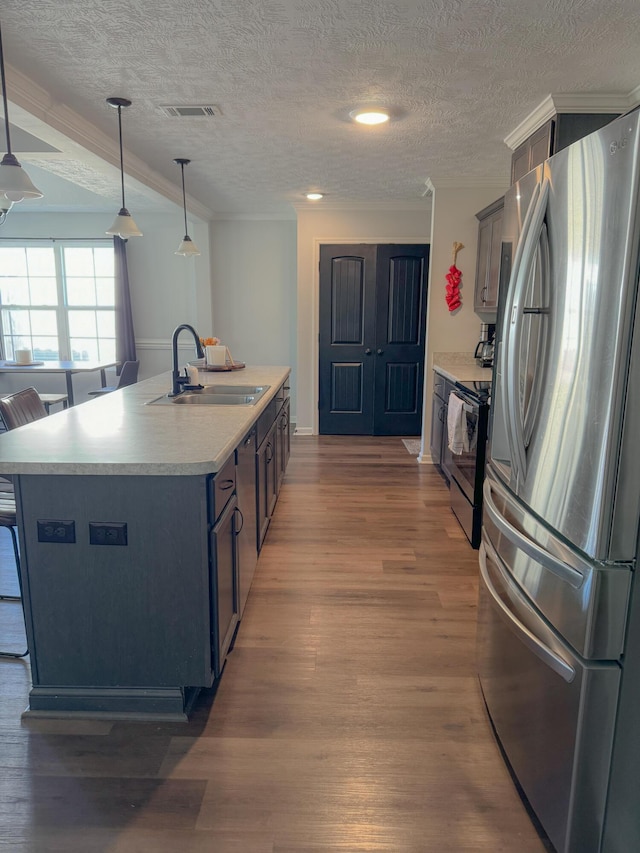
<point>215,395</point>
<point>235,389</point>
<point>197,398</point>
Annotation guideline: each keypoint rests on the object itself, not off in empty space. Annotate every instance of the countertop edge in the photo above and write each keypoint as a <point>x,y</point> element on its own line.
<point>17,446</point>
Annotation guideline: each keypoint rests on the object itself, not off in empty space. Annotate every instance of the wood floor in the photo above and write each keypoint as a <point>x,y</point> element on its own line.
<point>348,717</point>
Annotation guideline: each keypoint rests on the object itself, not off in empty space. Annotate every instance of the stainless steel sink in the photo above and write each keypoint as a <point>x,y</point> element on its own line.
<point>215,395</point>
<point>235,389</point>
<point>197,398</point>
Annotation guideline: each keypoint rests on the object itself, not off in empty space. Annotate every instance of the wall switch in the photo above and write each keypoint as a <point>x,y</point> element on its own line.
<point>107,533</point>
<point>53,530</point>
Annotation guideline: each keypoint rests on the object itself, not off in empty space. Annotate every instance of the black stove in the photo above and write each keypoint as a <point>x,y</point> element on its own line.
<point>480,391</point>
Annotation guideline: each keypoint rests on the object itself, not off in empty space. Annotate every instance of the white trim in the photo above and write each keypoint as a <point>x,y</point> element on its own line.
<point>570,103</point>
<point>634,97</point>
<point>258,217</point>
<point>303,431</point>
<point>424,459</point>
<point>421,204</point>
<point>467,182</point>
<point>315,307</point>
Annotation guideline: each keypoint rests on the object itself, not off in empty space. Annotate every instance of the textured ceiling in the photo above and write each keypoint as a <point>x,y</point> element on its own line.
<point>460,75</point>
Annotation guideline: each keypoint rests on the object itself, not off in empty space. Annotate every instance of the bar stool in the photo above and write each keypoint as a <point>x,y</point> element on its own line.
<point>8,519</point>
<point>16,410</point>
<point>49,400</point>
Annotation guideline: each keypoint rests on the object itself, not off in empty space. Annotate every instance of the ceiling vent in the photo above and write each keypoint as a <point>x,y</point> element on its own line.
<point>193,111</point>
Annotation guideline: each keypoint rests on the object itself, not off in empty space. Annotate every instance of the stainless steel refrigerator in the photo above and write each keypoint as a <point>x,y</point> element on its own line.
<point>559,607</point>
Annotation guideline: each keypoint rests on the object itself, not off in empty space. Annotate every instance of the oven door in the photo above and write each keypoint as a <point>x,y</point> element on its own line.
<point>464,466</point>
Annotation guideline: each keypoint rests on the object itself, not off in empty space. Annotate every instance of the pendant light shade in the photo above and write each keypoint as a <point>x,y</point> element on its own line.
<point>123,225</point>
<point>15,184</point>
<point>187,247</point>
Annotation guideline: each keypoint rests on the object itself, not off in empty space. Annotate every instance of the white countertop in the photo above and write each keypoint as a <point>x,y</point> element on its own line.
<point>118,434</point>
<point>460,367</point>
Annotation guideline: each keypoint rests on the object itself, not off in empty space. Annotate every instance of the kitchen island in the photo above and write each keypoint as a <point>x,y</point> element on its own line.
<point>129,519</point>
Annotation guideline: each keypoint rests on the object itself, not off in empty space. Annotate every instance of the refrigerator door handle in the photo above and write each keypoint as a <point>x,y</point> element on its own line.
<point>525,255</point>
<point>543,652</point>
<point>566,573</point>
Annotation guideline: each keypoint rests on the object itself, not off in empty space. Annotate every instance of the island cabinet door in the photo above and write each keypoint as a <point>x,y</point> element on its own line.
<point>224,584</point>
<point>267,481</point>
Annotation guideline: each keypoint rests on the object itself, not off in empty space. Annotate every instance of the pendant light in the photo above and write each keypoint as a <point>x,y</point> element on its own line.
<point>15,184</point>
<point>187,247</point>
<point>123,225</point>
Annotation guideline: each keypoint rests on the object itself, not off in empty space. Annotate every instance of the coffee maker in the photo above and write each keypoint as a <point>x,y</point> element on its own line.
<point>485,347</point>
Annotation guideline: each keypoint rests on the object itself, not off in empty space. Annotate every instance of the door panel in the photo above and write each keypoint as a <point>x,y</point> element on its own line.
<point>400,332</point>
<point>372,329</point>
<point>347,331</point>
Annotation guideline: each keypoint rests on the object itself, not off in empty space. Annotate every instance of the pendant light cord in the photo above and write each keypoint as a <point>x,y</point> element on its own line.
<point>4,97</point>
<point>121,157</point>
<point>184,200</point>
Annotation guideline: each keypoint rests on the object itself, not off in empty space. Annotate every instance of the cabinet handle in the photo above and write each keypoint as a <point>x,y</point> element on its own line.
<point>239,511</point>
<point>226,484</point>
<point>367,351</point>
<point>483,293</point>
<point>269,452</point>
<point>380,351</point>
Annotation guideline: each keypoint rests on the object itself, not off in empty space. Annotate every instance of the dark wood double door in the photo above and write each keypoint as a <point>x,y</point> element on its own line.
<point>372,334</point>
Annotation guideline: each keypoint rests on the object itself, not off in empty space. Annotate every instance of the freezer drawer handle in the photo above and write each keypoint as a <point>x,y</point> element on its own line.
<point>567,574</point>
<point>546,655</point>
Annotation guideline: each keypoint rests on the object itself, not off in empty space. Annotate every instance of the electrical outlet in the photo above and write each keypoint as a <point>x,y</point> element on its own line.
<point>107,533</point>
<point>53,530</point>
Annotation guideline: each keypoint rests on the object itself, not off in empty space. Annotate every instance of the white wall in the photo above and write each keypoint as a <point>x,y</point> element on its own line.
<point>317,226</point>
<point>253,264</point>
<point>454,220</point>
<point>166,289</point>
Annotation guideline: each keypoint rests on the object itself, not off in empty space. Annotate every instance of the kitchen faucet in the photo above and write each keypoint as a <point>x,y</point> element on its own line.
<point>179,381</point>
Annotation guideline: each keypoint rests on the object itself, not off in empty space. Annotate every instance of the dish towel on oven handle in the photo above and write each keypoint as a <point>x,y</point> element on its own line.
<point>457,425</point>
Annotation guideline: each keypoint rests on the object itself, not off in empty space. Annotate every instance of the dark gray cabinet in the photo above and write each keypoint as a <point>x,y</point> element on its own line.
<point>140,628</point>
<point>485,301</point>
<point>439,440</point>
<point>272,456</point>
<point>557,133</point>
<point>266,481</point>
<point>225,609</point>
<point>247,537</point>
<point>283,441</point>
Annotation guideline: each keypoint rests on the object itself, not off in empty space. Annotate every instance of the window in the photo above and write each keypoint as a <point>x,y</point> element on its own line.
<point>58,300</point>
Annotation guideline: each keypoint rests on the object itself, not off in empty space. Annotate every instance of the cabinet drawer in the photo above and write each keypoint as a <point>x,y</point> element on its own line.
<point>221,486</point>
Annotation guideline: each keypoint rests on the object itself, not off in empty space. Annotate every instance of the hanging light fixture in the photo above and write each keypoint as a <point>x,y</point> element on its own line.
<point>187,247</point>
<point>15,184</point>
<point>123,225</point>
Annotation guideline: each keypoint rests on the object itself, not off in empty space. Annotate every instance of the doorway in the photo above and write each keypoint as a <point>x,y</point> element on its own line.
<point>372,338</point>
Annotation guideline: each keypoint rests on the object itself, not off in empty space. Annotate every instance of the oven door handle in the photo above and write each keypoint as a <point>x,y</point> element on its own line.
<point>469,408</point>
<point>539,649</point>
<point>566,573</point>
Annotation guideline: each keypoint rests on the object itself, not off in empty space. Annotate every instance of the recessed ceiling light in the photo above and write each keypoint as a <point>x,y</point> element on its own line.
<point>314,196</point>
<point>370,116</point>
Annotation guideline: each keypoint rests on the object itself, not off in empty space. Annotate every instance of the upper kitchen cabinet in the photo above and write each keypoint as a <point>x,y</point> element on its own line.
<point>557,133</point>
<point>485,298</point>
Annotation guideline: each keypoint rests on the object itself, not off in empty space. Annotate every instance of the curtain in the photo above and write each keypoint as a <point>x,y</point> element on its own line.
<point>125,337</point>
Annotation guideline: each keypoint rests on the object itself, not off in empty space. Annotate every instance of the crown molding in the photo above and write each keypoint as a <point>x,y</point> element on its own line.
<point>422,204</point>
<point>614,103</point>
<point>35,111</point>
<point>253,217</point>
<point>462,182</point>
